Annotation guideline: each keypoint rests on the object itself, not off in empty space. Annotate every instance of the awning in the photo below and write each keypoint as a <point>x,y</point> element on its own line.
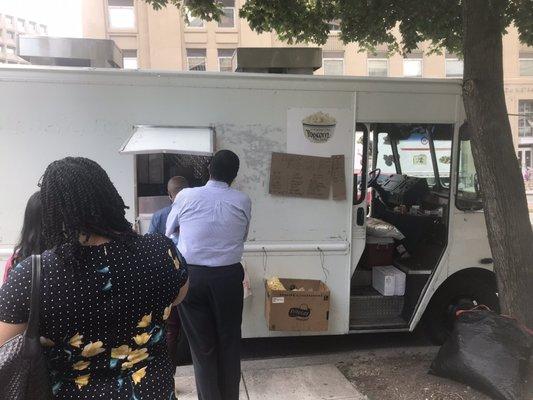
<point>148,139</point>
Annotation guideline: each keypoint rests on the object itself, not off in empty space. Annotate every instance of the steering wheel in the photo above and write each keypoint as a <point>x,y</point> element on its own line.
<point>373,176</point>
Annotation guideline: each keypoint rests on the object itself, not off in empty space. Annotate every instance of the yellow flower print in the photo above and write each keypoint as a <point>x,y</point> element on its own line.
<point>127,365</point>
<point>176,261</point>
<point>142,339</point>
<point>46,342</point>
<point>138,375</point>
<point>82,380</point>
<point>166,313</point>
<point>81,365</point>
<point>135,357</point>
<point>120,352</point>
<point>75,341</point>
<point>145,321</point>
<point>93,349</point>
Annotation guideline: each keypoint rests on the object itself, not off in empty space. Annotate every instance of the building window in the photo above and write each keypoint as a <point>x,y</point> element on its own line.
<point>194,22</point>
<point>196,59</point>
<point>454,68</point>
<point>10,35</point>
<point>129,59</point>
<point>43,29</point>
<point>378,67</point>
<point>10,50</point>
<point>526,63</point>
<point>227,19</point>
<point>121,14</point>
<point>412,67</point>
<point>334,26</point>
<point>33,27</point>
<point>9,21</point>
<point>525,118</point>
<point>225,60</point>
<point>333,62</point>
<point>20,24</point>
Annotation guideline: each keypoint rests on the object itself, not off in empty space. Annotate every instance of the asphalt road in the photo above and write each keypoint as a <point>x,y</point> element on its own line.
<point>319,345</point>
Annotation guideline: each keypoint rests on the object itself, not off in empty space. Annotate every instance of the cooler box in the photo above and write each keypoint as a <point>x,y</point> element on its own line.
<point>378,251</point>
<point>292,310</point>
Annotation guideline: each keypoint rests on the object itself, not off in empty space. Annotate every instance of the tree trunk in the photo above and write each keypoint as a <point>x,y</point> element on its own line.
<point>506,212</point>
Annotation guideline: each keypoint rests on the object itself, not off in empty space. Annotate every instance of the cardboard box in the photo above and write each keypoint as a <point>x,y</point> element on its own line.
<point>383,280</point>
<point>298,310</point>
<point>388,280</point>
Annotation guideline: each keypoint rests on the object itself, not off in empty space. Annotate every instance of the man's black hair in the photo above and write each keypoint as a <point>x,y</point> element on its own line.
<point>78,198</point>
<point>224,166</point>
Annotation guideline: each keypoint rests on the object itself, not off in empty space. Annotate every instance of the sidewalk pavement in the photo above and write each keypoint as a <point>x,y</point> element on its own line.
<point>313,382</point>
<point>295,378</point>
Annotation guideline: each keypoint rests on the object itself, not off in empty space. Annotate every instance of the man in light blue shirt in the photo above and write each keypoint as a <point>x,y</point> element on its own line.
<point>213,221</point>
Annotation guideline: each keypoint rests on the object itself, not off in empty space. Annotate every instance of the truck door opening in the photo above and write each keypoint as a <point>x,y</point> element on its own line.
<point>410,184</point>
<point>161,153</point>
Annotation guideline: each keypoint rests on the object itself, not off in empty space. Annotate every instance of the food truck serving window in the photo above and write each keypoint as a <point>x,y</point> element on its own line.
<point>162,153</point>
<point>162,139</point>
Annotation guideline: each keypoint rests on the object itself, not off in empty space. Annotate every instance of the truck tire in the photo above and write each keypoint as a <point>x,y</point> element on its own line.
<point>460,294</point>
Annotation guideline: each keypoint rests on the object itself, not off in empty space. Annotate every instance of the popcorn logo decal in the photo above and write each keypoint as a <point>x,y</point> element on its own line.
<point>301,313</point>
<point>319,127</point>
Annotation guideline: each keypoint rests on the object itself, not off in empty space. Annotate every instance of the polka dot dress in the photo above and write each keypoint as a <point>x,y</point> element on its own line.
<point>103,320</point>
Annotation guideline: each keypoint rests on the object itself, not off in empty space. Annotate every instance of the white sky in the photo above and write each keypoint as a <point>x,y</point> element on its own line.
<point>63,17</point>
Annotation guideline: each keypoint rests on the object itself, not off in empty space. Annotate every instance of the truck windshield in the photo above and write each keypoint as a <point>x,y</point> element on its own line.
<point>419,151</point>
<point>385,159</point>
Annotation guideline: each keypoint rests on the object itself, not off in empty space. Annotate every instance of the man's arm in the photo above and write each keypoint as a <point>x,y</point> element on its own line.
<point>248,213</point>
<point>173,219</point>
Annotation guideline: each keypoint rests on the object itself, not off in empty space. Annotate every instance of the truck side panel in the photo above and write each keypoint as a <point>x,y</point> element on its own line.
<point>43,121</point>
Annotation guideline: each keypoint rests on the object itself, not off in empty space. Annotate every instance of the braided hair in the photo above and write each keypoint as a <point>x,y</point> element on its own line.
<point>78,198</point>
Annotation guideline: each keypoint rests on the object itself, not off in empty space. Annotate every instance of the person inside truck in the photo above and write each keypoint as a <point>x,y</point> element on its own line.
<point>105,291</point>
<point>159,219</point>
<point>213,221</point>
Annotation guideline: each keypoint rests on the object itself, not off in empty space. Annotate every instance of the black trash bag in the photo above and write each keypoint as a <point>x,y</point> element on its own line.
<point>488,352</point>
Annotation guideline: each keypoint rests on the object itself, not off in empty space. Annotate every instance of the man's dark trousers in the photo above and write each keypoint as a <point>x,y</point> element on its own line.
<point>211,316</point>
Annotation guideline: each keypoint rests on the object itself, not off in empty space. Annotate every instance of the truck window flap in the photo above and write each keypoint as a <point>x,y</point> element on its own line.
<point>167,139</point>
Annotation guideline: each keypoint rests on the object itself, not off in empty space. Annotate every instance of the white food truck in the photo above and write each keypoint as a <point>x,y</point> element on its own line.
<point>413,156</point>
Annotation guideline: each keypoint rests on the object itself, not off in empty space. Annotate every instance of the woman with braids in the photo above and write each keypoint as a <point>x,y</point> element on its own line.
<point>31,239</point>
<point>106,292</point>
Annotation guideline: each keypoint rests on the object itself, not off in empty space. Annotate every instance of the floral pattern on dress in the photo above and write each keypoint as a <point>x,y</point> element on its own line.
<point>124,358</point>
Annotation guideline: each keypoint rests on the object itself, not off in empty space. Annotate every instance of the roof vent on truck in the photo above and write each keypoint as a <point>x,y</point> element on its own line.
<point>278,60</point>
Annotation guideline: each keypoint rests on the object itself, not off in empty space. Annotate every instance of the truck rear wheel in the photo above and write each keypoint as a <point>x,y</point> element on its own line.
<point>460,294</point>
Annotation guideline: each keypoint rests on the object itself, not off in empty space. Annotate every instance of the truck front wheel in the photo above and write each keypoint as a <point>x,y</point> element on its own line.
<point>459,294</point>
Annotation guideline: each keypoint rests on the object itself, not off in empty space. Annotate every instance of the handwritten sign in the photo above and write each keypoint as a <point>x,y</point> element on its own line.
<point>296,175</point>
<point>338,178</point>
